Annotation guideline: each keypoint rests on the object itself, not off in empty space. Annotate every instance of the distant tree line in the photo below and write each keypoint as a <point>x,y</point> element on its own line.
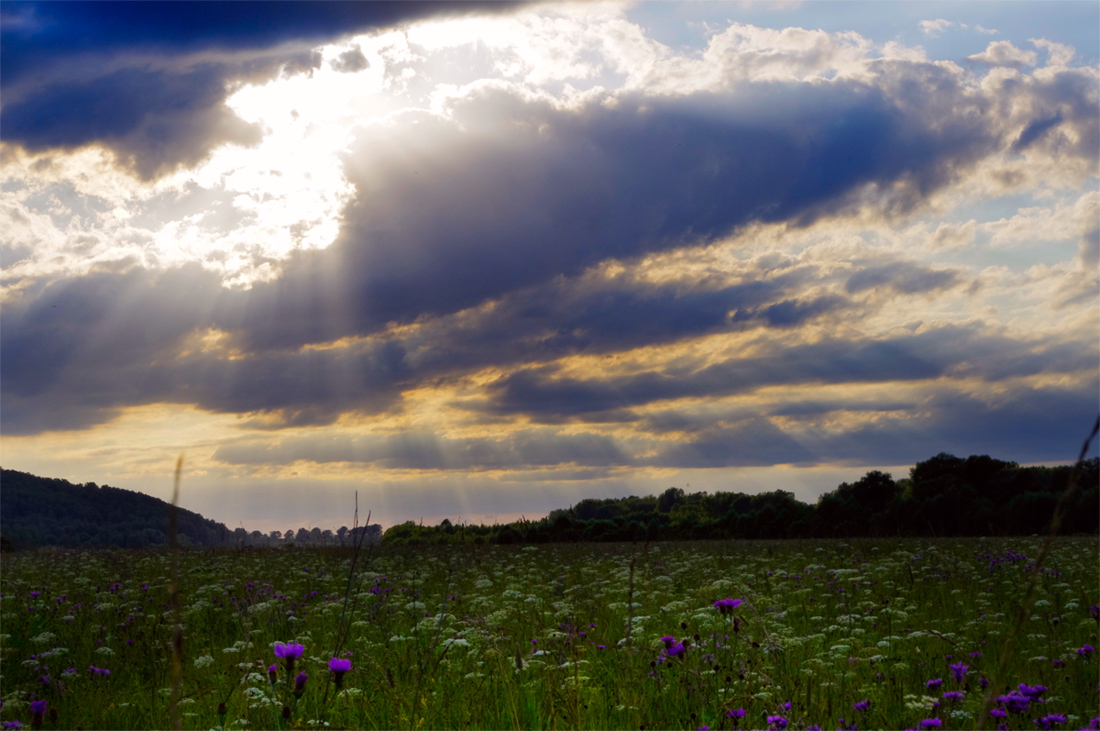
<point>41,511</point>
<point>943,496</point>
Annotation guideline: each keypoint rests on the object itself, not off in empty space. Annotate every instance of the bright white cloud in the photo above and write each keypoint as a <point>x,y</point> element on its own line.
<point>1003,53</point>
<point>933,27</point>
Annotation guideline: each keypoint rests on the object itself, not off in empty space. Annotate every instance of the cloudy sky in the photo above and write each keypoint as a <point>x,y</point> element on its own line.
<point>479,261</point>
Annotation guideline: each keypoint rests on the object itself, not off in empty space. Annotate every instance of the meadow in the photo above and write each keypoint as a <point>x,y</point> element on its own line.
<point>802,634</point>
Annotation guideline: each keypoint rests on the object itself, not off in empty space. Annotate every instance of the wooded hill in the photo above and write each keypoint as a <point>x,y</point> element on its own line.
<point>39,511</point>
<point>944,496</point>
<point>42,511</point>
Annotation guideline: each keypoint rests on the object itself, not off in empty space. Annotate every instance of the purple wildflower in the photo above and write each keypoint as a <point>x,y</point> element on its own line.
<point>273,673</point>
<point>38,708</point>
<point>676,650</point>
<point>862,706</point>
<point>1094,723</point>
<point>1014,702</point>
<point>736,713</point>
<point>958,670</point>
<point>1032,691</point>
<point>777,722</point>
<point>998,713</point>
<point>300,684</point>
<point>289,652</point>
<point>934,683</point>
<point>98,671</point>
<point>339,666</point>
<point>726,606</point>
<point>931,723</point>
<point>787,706</point>
<point>1095,612</point>
<point>1086,650</point>
<point>954,695</point>
<point>13,724</point>
<point>1049,720</point>
<point>669,641</point>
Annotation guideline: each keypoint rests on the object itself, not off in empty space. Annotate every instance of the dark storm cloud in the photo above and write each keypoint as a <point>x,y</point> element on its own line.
<point>950,351</point>
<point>154,120</point>
<point>74,351</point>
<point>1024,424</point>
<point>132,76</point>
<point>512,193</point>
<point>424,451</point>
<point>750,443</point>
<point>35,35</point>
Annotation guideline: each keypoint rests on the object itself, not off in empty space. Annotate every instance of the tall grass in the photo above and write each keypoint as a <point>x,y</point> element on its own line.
<point>562,636</point>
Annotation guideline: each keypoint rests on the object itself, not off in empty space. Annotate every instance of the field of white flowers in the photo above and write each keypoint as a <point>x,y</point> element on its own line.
<point>710,635</point>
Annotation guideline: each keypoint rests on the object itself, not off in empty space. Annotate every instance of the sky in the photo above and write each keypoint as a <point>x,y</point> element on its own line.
<point>480,261</point>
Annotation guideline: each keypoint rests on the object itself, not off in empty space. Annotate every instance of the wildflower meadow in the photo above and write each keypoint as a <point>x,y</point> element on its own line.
<point>886,634</point>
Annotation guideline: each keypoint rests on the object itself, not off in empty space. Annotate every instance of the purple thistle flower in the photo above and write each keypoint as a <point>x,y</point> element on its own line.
<point>676,650</point>
<point>1014,702</point>
<point>13,724</point>
<point>1086,650</point>
<point>38,708</point>
<point>984,682</point>
<point>787,706</point>
<point>273,673</point>
<point>998,713</point>
<point>669,641</point>
<point>737,713</point>
<point>339,666</point>
<point>813,727</point>
<point>1032,691</point>
<point>1049,720</point>
<point>862,706</point>
<point>934,683</point>
<point>290,650</point>
<point>1095,612</point>
<point>931,723</point>
<point>958,670</point>
<point>954,695</point>
<point>300,684</point>
<point>777,722</point>
<point>1094,723</point>
<point>726,606</point>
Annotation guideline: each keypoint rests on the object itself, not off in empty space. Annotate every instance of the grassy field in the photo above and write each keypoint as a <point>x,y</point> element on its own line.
<point>875,634</point>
